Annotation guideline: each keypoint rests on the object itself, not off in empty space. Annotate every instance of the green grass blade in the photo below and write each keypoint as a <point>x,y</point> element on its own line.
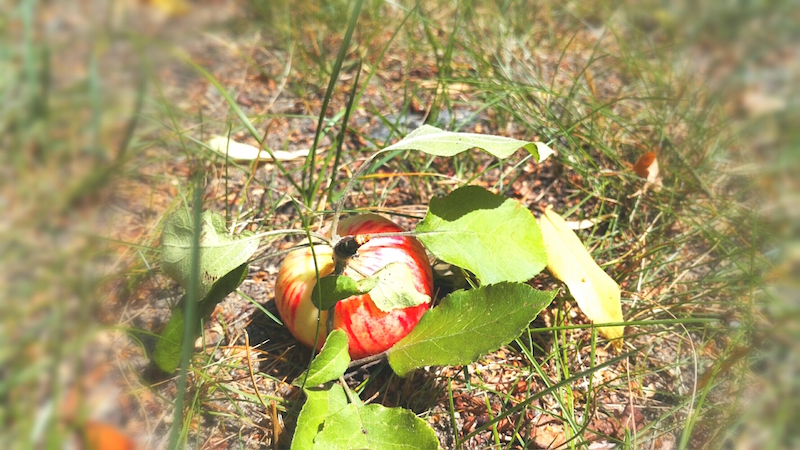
<point>337,67</point>
<point>189,313</point>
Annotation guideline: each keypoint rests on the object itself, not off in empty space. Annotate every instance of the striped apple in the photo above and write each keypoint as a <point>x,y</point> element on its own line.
<point>369,330</point>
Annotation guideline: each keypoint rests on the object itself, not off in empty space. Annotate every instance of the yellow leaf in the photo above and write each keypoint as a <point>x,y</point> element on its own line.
<point>171,8</point>
<point>567,259</point>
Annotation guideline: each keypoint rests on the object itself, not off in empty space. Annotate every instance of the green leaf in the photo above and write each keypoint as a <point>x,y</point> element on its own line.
<point>320,404</point>
<point>437,142</point>
<point>219,252</point>
<point>495,238</point>
<point>224,286</point>
<point>390,288</point>
<point>394,288</point>
<point>366,284</point>
<point>467,325</point>
<point>375,427</point>
<point>167,354</point>
<point>336,288</point>
<point>330,364</point>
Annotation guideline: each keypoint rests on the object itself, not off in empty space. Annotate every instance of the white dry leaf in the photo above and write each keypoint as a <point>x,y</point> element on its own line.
<point>585,224</point>
<point>597,294</point>
<point>246,152</point>
<point>580,224</point>
<point>757,103</point>
<point>452,88</point>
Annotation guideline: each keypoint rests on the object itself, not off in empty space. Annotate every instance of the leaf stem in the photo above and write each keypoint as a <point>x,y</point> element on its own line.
<point>405,233</point>
<point>264,234</point>
<point>349,187</point>
<point>368,359</point>
<point>353,399</point>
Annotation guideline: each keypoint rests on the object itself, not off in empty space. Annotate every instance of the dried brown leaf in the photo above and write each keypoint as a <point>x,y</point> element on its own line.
<point>644,166</point>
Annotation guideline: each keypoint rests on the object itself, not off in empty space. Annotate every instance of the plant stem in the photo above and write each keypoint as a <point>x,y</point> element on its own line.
<point>349,187</point>
<point>350,396</point>
<point>368,359</point>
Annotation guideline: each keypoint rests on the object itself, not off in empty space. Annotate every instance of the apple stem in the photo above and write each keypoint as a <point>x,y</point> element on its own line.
<point>343,250</point>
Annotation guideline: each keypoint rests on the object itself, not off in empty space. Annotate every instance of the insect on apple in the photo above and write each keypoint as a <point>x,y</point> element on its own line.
<point>369,330</point>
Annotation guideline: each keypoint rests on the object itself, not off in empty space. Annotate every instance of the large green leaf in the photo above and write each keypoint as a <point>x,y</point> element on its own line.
<point>394,288</point>
<point>330,364</point>
<point>167,354</point>
<point>494,237</point>
<point>435,141</point>
<point>467,325</point>
<point>219,252</point>
<point>320,404</point>
<point>375,427</point>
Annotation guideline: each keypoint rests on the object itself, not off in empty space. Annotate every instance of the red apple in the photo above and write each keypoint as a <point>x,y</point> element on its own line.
<point>369,330</point>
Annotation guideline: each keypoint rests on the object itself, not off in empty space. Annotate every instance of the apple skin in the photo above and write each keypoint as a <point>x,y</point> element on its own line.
<point>369,330</point>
